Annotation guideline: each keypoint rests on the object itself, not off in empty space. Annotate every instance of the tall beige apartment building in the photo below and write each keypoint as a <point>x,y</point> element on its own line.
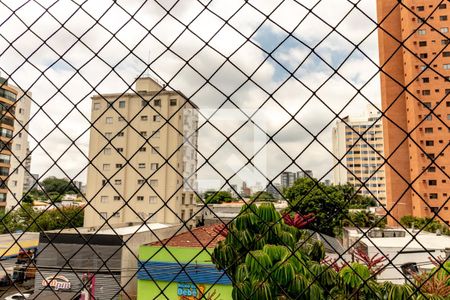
<point>143,156</point>
<point>415,86</point>
<point>21,160</point>
<point>362,157</point>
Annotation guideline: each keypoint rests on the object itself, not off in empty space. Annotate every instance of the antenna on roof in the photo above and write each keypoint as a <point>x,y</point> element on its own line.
<point>148,64</point>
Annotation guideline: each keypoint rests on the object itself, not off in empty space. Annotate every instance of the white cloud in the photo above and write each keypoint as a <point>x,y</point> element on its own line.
<point>163,30</point>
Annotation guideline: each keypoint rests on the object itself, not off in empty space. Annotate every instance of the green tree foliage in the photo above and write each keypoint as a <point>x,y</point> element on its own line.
<point>218,197</point>
<point>58,185</point>
<point>262,196</point>
<point>267,259</point>
<point>27,219</point>
<point>427,224</point>
<point>328,203</point>
<point>364,219</point>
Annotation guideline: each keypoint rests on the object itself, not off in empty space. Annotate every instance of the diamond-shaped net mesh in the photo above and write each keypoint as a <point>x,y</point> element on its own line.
<point>194,149</point>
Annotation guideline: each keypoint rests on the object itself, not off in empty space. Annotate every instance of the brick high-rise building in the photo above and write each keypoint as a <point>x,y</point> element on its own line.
<point>415,60</point>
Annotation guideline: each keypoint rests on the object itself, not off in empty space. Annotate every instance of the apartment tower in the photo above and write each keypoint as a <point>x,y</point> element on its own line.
<point>8,96</point>
<point>415,83</point>
<point>358,143</point>
<point>21,160</point>
<point>143,156</point>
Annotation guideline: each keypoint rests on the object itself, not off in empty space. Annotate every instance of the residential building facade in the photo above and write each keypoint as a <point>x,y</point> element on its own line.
<point>143,156</point>
<point>21,160</point>
<point>8,96</point>
<point>287,179</point>
<point>415,83</point>
<point>358,144</point>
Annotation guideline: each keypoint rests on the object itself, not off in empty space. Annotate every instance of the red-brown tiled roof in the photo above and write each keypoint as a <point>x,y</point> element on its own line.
<point>197,237</point>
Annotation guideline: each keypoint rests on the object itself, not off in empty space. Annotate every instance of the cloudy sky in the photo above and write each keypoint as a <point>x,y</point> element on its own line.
<point>251,59</point>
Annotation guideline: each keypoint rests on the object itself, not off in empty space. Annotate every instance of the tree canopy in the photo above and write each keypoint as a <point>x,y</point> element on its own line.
<point>217,197</point>
<point>58,185</point>
<point>328,203</point>
<point>262,196</point>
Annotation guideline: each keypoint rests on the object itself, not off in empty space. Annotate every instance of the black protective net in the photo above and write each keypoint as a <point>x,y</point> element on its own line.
<point>194,149</point>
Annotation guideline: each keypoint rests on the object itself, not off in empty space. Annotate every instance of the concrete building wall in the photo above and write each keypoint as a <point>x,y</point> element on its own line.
<point>129,179</point>
<point>358,142</point>
<point>21,160</point>
<point>422,111</point>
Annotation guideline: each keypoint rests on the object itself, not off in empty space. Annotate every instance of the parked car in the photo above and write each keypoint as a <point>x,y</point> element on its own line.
<point>18,296</point>
<point>5,280</point>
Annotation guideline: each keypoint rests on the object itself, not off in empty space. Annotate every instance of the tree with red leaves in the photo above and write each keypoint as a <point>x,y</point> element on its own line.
<point>299,221</point>
<point>374,263</point>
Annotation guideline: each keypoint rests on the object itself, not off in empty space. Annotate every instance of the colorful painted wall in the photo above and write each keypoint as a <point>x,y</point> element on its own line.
<point>165,265</point>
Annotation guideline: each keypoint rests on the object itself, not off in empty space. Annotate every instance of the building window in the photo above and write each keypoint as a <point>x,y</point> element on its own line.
<point>104,182</point>
<point>109,120</point>
<point>118,166</point>
<point>106,167</point>
<point>108,135</point>
<point>423,55</point>
<point>155,150</point>
<point>157,102</point>
<point>116,198</point>
<point>429,143</point>
<point>118,182</point>
<point>446,66</point>
<point>120,150</point>
<point>156,134</point>
<point>104,199</point>
<point>107,151</point>
<point>142,149</point>
<point>420,8</point>
<point>116,214</point>
<point>426,92</point>
<point>141,166</point>
<point>422,43</point>
<point>173,102</point>
<point>444,29</point>
<point>140,198</point>
<point>152,199</point>
<point>447,103</point>
<point>421,32</point>
<point>144,103</point>
<point>433,196</point>
<point>428,118</point>
<point>154,166</point>
<point>141,181</point>
<point>431,169</point>
<point>429,130</point>
<point>144,118</point>
<point>154,182</point>
<point>425,79</point>
<point>104,215</point>
<point>122,104</point>
<point>442,18</point>
<point>97,106</point>
<point>432,182</point>
<point>182,215</point>
<point>444,42</point>
<point>143,134</point>
<point>442,6</point>
<point>448,116</point>
<point>156,118</point>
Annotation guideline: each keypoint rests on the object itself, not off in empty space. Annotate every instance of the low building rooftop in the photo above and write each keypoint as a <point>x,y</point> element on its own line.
<point>119,229</point>
<point>199,237</point>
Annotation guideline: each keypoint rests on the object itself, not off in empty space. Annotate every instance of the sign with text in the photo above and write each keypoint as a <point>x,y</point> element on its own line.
<point>57,282</point>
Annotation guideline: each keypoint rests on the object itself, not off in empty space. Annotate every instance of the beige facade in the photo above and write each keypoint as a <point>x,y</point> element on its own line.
<point>362,158</point>
<point>143,152</point>
<point>21,160</point>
